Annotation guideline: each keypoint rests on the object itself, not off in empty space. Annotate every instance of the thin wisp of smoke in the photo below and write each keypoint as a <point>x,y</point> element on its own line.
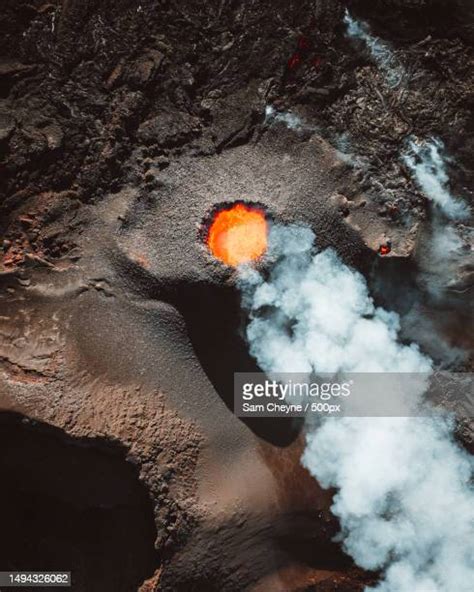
<point>291,120</point>
<point>380,51</point>
<point>449,256</point>
<point>404,496</point>
<point>427,162</point>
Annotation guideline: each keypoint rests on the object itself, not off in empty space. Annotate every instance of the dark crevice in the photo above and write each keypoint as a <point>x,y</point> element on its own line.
<point>74,505</point>
<point>215,323</point>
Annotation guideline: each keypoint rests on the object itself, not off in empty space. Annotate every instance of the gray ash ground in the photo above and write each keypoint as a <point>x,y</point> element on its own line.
<point>117,115</point>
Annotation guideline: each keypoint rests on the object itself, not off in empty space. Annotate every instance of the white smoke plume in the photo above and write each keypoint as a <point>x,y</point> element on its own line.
<point>291,120</point>
<point>380,51</point>
<point>427,162</point>
<point>335,325</point>
<point>404,496</point>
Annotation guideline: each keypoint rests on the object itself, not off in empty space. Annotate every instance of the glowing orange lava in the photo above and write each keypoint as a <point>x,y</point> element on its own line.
<point>384,249</point>
<point>238,234</point>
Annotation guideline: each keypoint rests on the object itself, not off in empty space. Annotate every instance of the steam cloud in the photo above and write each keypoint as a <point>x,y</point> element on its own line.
<point>379,50</point>
<point>427,163</point>
<point>404,500</point>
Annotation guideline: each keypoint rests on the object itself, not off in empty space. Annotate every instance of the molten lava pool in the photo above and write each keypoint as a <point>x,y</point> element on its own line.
<point>238,234</point>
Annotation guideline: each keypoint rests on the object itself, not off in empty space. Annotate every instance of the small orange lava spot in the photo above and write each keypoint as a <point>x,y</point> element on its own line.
<point>238,234</point>
<point>384,249</point>
<point>141,260</point>
<point>294,61</point>
<point>303,43</point>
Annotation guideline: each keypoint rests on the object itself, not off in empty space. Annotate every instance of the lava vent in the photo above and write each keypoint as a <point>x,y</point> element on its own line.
<point>238,234</point>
